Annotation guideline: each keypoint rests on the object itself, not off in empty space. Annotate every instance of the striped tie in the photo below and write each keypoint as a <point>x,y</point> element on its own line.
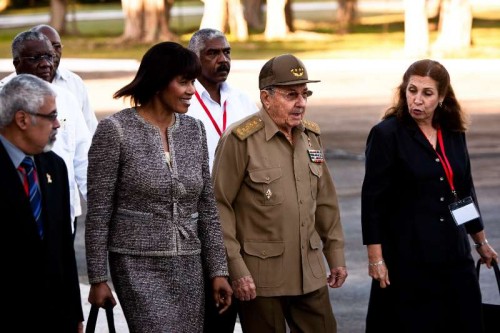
<point>30,182</point>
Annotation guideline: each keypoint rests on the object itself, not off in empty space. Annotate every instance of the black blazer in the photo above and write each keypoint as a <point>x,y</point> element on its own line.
<point>405,195</point>
<point>42,280</point>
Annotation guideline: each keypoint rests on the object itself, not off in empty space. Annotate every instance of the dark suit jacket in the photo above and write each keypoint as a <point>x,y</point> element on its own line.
<point>42,281</point>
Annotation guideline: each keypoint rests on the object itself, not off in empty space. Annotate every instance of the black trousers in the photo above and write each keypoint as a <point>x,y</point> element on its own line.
<point>74,228</point>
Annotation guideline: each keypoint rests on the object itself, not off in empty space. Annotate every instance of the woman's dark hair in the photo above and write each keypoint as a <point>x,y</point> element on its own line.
<point>159,66</point>
<point>449,115</point>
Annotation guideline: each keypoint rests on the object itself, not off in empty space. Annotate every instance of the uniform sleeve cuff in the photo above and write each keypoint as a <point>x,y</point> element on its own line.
<point>336,258</point>
<point>237,269</point>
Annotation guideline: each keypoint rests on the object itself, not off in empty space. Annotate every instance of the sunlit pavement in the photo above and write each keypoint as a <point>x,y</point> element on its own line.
<point>350,98</point>
<point>342,80</point>
<point>120,324</point>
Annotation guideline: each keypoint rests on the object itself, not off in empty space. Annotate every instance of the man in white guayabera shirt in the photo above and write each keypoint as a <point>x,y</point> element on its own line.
<point>32,53</point>
<point>216,103</point>
<point>65,78</point>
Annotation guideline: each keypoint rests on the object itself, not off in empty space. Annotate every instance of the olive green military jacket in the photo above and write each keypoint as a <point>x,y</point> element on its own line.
<point>278,208</point>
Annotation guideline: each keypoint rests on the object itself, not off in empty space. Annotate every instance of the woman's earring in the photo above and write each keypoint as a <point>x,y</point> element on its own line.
<point>441,104</point>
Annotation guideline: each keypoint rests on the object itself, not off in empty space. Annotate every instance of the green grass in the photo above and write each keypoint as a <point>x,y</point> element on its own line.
<point>377,36</point>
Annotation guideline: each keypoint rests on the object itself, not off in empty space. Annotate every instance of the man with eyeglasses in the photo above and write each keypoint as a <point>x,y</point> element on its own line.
<point>44,293</point>
<point>33,54</point>
<point>279,210</point>
<point>65,78</point>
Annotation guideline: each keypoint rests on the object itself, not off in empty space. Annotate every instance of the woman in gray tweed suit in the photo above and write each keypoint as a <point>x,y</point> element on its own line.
<point>150,202</point>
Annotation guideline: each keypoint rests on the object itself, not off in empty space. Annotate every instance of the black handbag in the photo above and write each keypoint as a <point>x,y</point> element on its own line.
<point>491,312</point>
<point>92,320</point>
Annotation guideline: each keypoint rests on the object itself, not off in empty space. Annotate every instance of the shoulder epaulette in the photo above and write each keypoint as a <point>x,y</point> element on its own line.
<point>311,126</point>
<point>248,127</point>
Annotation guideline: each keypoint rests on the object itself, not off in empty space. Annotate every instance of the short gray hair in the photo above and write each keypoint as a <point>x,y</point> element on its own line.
<point>18,42</point>
<point>199,38</point>
<point>23,92</point>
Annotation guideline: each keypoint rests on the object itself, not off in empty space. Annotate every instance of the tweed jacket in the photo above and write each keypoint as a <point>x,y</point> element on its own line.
<point>138,204</point>
<point>279,208</point>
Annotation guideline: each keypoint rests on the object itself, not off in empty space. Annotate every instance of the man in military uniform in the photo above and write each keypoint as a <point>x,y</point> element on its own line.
<point>279,209</point>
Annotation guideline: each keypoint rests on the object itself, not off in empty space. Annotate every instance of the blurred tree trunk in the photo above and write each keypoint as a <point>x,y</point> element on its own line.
<point>276,27</point>
<point>146,21</point>
<point>455,27</point>
<point>214,15</point>
<point>416,28</point>
<point>132,12</point>
<point>4,4</point>
<point>289,16</point>
<point>346,15</point>
<point>237,23</point>
<point>58,10</point>
<point>254,13</point>
<point>226,16</point>
<point>168,7</point>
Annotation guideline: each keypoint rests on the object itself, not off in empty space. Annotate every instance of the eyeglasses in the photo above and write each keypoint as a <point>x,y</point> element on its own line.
<point>39,58</point>
<point>51,116</point>
<point>292,95</point>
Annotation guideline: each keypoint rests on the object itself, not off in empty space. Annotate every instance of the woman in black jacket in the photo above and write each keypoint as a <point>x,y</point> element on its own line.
<point>417,174</point>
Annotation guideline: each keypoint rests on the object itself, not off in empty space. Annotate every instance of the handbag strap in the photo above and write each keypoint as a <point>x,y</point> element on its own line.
<point>92,320</point>
<point>494,264</point>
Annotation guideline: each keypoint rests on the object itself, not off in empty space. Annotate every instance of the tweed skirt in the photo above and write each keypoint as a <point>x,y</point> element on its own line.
<point>159,294</point>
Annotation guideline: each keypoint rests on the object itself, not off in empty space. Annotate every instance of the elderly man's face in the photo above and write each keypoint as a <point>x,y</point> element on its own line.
<point>36,58</point>
<point>287,105</point>
<point>55,40</point>
<point>41,133</point>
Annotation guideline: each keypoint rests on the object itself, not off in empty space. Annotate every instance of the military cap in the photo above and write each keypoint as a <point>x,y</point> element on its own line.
<point>283,70</point>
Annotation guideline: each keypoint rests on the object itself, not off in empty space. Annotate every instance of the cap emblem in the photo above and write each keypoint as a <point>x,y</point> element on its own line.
<point>298,72</point>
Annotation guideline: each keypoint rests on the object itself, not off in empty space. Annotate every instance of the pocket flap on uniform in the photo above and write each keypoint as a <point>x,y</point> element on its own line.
<point>265,175</point>
<point>315,241</point>
<point>316,169</point>
<point>264,249</point>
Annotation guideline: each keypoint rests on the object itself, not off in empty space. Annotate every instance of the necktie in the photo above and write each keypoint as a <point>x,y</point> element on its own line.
<point>30,182</point>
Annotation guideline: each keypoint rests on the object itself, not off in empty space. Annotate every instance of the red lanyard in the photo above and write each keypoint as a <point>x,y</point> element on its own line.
<point>224,117</point>
<point>444,161</point>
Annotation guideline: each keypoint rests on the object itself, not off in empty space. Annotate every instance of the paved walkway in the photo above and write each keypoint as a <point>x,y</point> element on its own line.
<point>351,81</point>
<point>120,323</point>
<point>349,100</point>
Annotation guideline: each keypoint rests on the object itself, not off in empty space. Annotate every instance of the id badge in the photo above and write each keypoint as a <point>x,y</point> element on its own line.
<point>464,210</point>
